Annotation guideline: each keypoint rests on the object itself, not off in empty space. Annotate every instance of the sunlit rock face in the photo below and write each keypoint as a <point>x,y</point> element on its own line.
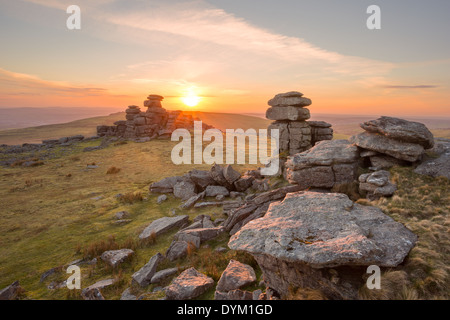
<point>302,237</point>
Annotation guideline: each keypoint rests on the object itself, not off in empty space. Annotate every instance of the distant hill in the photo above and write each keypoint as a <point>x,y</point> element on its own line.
<point>16,118</point>
<point>343,125</point>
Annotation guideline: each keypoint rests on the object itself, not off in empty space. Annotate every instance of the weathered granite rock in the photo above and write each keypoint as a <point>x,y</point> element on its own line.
<point>188,285</point>
<point>376,142</point>
<point>201,178</point>
<point>144,275</point>
<point>292,98</point>
<point>236,276</point>
<point>308,232</point>
<point>204,234</point>
<point>116,257</point>
<point>230,174</point>
<point>440,166</point>
<point>216,173</point>
<point>233,295</point>
<point>184,189</point>
<point>243,183</point>
<point>177,250</point>
<point>377,184</point>
<point>326,164</point>
<point>287,113</point>
<point>402,130</point>
<point>161,199</point>
<point>380,161</point>
<point>192,200</point>
<point>127,295</point>
<point>93,292</point>
<point>163,275</point>
<point>162,225</point>
<point>11,292</point>
<point>165,185</point>
<point>213,191</point>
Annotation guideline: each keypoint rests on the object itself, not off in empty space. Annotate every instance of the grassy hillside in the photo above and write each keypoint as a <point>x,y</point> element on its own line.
<point>87,127</point>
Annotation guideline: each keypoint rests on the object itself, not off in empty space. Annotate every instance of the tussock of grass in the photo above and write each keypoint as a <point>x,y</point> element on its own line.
<point>113,170</point>
<point>130,197</point>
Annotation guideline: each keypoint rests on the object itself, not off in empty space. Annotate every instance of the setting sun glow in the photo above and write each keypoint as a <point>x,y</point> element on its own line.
<point>191,100</point>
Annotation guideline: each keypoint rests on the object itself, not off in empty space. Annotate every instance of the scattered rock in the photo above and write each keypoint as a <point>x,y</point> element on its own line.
<point>11,292</point>
<point>144,275</point>
<point>127,295</point>
<point>116,257</point>
<point>161,199</point>
<point>162,225</point>
<point>377,184</point>
<point>163,275</point>
<point>236,276</point>
<point>177,250</point>
<point>184,190</point>
<point>122,215</point>
<point>230,174</point>
<point>165,185</point>
<point>93,292</point>
<point>213,191</point>
<point>188,285</point>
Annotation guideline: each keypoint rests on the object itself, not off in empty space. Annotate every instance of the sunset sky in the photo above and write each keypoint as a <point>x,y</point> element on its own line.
<point>233,54</point>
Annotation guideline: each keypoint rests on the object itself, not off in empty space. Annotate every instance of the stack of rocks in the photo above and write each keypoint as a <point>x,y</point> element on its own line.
<point>290,115</point>
<point>376,184</point>
<point>155,122</point>
<point>289,112</point>
<point>390,141</point>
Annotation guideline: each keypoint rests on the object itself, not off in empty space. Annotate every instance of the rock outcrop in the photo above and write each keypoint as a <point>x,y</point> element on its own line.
<point>155,122</point>
<point>290,115</point>
<point>400,139</point>
<point>326,164</point>
<point>302,237</point>
<point>439,165</point>
<point>188,285</point>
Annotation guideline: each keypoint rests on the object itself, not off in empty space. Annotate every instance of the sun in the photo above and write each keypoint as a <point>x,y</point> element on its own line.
<point>191,100</point>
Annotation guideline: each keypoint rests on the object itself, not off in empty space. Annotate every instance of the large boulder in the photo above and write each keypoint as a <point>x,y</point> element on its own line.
<point>398,149</point>
<point>188,285</point>
<point>309,232</point>
<point>402,130</point>
<point>213,191</point>
<point>163,225</point>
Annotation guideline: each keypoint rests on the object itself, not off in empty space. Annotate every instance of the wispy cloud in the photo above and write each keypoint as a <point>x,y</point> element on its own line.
<point>14,83</point>
<point>423,86</point>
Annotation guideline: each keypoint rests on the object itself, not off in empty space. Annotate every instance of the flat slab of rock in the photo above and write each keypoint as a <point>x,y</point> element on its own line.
<point>236,276</point>
<point>162,225</point>
<point>188,285</point>
<point>288,113</point>
<point>440,166</point>
<point>292,98</point>
<point>144,276</point>
<point>184,190</point>
<point>116,257</point>
<point>325,230</point>
<point>213,191</point>
<point>325,153</point>
<point>402,130</point>
<point>376,142</point>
